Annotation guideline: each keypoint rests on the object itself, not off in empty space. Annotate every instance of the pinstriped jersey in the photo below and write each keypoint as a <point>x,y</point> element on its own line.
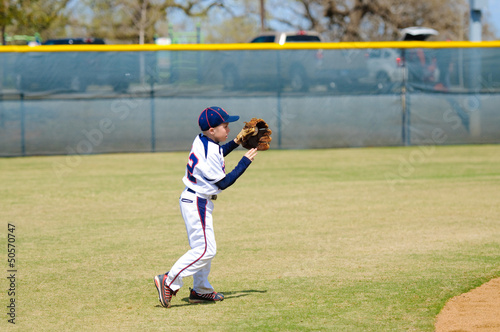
<point>205,166</point>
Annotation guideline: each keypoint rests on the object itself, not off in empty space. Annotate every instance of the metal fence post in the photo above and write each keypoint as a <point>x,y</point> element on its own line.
<point>405,109</point>
<point>278,96</point>
<point>153,115</point>
<point>23,141</point>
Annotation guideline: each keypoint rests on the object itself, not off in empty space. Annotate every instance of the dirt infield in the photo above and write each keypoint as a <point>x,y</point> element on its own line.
<point>477,310</point>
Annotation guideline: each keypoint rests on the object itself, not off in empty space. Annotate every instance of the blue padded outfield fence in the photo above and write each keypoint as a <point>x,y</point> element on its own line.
<point>85,99</point>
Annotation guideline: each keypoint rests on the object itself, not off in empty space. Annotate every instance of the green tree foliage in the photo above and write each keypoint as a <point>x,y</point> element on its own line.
<point>8,12</point>
<point>46,17</point>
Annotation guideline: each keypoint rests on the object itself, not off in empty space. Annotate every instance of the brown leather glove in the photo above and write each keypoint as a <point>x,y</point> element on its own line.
<point>255,134</point>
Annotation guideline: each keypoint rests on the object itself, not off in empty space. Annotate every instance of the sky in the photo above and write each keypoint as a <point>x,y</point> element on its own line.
<point>494,15</point>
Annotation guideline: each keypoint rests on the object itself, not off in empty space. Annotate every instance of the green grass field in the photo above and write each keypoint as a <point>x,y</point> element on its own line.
<point>374,239</point>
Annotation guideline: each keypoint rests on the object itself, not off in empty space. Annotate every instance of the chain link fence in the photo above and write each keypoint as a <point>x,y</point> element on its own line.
<point>102,99</point>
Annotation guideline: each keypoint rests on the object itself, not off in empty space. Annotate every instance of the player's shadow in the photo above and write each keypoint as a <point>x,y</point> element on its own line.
<point>228,295</point>
<point>231,295</point>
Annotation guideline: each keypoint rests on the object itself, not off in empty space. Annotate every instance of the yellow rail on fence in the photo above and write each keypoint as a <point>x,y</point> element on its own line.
<point>245,46</point>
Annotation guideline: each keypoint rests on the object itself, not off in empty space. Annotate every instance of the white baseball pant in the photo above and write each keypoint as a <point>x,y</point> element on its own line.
<point>196,262</point>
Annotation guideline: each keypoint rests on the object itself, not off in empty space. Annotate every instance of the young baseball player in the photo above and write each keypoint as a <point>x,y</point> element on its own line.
<point>204,178</point>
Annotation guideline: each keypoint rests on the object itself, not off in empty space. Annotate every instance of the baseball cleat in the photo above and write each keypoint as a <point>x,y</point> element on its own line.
<point>164,292</point>
<point>202,298</point>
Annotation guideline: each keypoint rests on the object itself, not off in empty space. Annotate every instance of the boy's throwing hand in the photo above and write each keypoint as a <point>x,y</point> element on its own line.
<point>251,154</point>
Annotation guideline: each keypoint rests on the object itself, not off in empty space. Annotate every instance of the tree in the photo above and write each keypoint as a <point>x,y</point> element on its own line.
<point>137,20</point>
<point>299,14</point>
<point>235,24</point>
<point>362,20</point>
<point>238,29</point>
<point>32,16</point>
<point>8,12</point>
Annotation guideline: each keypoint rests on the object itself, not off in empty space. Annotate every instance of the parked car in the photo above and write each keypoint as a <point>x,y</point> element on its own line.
<point>74,41</point>
<point>287,37</point>
<point>74,71</point>
<point>417,33</point>
<point>299,69</point>
<point>385,67</point>
<point>421,64</point>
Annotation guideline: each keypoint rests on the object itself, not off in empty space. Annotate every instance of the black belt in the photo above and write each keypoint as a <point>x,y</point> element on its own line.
<point>212,197</point>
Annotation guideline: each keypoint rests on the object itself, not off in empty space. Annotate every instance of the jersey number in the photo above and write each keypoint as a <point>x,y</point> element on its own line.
<point>193,161</point>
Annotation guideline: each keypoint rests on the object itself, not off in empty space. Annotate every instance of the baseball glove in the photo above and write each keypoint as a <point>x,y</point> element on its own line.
<point>255,134</point>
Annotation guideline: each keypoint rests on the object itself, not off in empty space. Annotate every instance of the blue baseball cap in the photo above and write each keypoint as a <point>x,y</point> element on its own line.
<point>213,116</point>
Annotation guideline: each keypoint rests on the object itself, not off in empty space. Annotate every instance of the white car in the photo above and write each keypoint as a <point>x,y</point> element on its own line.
<point>287,37</point>
<point>297,69</point>
<point>384,67</point>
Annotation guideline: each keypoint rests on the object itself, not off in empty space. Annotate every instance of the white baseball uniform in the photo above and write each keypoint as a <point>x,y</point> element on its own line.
<point>205,168</point>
